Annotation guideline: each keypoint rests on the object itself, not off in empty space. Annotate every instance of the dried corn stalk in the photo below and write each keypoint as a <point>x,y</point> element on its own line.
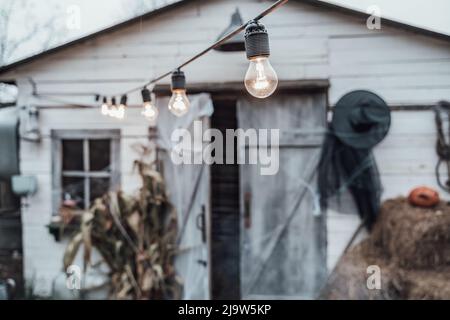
<point>136,236</point>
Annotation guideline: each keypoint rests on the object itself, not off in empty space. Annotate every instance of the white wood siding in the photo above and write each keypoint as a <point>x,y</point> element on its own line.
<point>307,43</point>
<point>42,255</point>
<point>406,159</point>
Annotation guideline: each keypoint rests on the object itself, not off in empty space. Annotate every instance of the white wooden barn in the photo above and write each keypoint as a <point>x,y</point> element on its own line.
<point>320,52</point>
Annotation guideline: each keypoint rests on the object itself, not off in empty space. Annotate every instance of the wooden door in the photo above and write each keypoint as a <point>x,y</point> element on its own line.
<point>188,188</point>
<point>283,234</point>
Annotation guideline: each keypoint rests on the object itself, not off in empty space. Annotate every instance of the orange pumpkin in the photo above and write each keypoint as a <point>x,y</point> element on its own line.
<point>424,197</point>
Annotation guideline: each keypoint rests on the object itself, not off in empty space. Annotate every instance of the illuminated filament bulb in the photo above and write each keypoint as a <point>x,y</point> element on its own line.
<point>149,110</point>
<point>105,107</point>
<point>113,109</point>
<point>261,79</point>
<point>120,113</point>
<point>179,103</point>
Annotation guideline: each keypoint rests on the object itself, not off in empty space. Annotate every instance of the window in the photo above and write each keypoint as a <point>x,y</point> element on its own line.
<point>85,165</point>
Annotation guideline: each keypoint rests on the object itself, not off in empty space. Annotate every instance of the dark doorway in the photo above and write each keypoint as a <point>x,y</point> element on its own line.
<point>225,226</point>
<point>11,268</point>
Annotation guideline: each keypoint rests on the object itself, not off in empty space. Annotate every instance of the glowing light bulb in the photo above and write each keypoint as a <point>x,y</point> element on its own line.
<point>113,108</point>
<point>261,79</point>
<point>150,111</point>
<point>120,112</point>
<point>113,111</point>
<point>179,103</point>
<point>105,107</point>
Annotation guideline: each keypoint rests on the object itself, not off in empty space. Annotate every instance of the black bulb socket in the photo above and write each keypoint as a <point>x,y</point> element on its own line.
<point>123,100</point>
<point>146,96</point>
<point>256,40</point>
<point>178,80</point>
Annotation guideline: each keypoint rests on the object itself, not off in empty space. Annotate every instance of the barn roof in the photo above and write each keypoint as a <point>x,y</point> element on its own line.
<point>181,3</point>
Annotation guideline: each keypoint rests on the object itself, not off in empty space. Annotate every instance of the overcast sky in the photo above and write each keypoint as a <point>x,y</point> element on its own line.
<point>98,14</point>
<point>425,13</point>
<point>433,15</point>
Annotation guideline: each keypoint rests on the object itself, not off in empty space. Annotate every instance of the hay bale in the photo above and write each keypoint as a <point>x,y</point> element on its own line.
<point>349,279</point>
<point>412,248</point>
<point>416,238</point>
<point>425,285</point>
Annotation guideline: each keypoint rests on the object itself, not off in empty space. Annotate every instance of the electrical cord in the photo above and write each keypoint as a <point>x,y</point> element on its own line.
<point>153,81</point>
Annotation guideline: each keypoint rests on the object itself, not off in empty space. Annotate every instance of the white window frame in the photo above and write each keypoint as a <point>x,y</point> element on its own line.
<point>57,159</point>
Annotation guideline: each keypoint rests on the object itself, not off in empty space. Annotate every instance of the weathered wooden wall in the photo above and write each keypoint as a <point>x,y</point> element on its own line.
<point>406,158</point>
<point>308,42</point>
<point>42,255</point>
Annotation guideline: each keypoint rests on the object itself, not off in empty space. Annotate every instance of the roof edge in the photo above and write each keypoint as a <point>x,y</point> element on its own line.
<point>116,27</point>
<point>390,22</point>
<point>179,4</point>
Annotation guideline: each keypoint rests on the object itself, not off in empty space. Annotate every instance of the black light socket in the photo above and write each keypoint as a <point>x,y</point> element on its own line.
<point>146,96</point>
<point>256,40</point>
<point>123,100</point>
<point>113,101</point>
<point>178,80</point>
<point>105,100</point>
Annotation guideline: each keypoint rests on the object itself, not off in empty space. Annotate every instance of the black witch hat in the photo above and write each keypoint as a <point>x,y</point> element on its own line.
<point>361,120</point>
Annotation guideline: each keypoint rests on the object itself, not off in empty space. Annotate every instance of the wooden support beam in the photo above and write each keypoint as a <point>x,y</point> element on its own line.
<point>234,87</point>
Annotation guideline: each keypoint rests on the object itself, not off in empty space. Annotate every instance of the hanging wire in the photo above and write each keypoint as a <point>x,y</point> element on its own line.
<point>61,101</point>
<point>238,30</point>
<point>230,35</point>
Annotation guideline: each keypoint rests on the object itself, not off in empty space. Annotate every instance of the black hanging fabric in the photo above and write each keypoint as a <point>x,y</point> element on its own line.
<point>343,168</point>
<point>361,120</point>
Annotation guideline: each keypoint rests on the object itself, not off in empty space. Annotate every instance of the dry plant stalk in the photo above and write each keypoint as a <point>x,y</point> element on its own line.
<point>136,237</point>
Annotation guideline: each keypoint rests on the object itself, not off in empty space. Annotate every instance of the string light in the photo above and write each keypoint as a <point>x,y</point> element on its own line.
<point>179,103</point>
<point>105,107</point>
<point>261,79</point>
<point>121,110</point>
<point>149,110</point>
<point>113,109</point>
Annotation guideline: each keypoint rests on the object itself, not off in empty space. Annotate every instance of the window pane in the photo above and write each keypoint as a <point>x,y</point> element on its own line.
<point>73,188</point>
<point>72,155</point>
<point>99,187</point>
<point>100,155</point>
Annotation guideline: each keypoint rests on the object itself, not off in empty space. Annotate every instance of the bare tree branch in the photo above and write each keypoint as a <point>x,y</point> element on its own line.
<point>14,37</point>
<point>12,42</point>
